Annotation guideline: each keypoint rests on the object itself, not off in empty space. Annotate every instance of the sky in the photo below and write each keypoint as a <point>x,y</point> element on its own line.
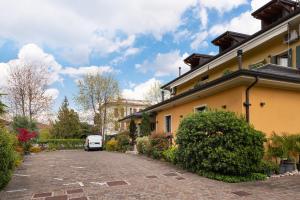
<point>140,42</point>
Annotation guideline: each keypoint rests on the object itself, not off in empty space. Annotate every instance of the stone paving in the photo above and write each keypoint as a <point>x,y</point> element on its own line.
<point>80,175</point>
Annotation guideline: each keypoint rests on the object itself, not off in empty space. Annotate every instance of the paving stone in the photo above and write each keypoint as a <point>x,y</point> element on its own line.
<point>241,193</point>
<point>45,194</point>
<point>74,191</point>
<point>134,169</point>
<point>180,178</point>
<point>116,183</point>
<point>151,177</point>
<point>80,198</point>
<point>61,197</point>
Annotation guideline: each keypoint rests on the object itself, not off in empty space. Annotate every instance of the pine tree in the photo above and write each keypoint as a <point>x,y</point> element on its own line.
<point>68,123</point>
<point>132,131</point>
<point>145,125</point>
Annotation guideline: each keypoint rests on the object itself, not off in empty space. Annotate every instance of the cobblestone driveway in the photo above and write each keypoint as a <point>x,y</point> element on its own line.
<point>80,175</point>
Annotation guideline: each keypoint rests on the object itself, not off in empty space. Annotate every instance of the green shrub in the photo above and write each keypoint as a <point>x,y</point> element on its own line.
<point>170,154</point>
<point>143,145</point>
<point>7,156</point>
<point>23,122</point>
<point>111,145</point>
<point>123,142</point>
<point>57,144</point>
<point>232,178</point>
<point>219,142</point>
<point>158,144</point>
<point>268,168</point>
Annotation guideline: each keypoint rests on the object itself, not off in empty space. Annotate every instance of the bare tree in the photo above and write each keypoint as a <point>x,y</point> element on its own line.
<point>153,95</point>
<point>95,93</point>
<point>27,84</point>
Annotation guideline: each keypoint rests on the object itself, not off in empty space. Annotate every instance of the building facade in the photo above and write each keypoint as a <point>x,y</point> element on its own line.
<point>256,76</point>
<point>118,110</point>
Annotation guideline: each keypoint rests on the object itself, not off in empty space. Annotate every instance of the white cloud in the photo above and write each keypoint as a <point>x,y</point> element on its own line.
<point>255,4</point>
<point>32,54</point>
<point>76,29</point>
<point>203,17</point>
<point>165,64</point>
<point>128,52</point>
<point>199,40</point>
<point>80,71</point>
<point>52,92</point>
<point>222,6</point>
<point>139,91</point>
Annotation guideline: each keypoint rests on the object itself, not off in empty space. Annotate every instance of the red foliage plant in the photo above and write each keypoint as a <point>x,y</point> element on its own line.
<point>25,135</point>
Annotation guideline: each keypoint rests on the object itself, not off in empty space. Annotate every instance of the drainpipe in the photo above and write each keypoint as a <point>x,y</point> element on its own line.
<point>240,58</point>
<point>179,71</point>
<point>247,104</point>
<point>162,95</point>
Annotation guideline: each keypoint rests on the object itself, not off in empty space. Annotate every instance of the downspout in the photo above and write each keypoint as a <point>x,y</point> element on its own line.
<point>247,104</point>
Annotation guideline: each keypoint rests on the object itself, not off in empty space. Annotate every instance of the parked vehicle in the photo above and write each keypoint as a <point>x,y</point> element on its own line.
<point>93,142</point>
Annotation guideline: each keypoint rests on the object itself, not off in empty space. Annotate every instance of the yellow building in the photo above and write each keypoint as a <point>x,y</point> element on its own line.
<point>253,75</point>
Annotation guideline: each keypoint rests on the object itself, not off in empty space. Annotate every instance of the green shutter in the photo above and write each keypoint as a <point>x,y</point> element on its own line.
<point>298,57</point>
<point>290,58</point>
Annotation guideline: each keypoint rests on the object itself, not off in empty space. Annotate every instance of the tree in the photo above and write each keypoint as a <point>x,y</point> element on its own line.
<point>22,122</point>
<point>95,93</point>
<point>68,124</point>
<point>132,131</point>
<point>85,129</point>
<point>27,84</point>
<point>145,127</point>
<point>153,95</point>
<point>2,107</point>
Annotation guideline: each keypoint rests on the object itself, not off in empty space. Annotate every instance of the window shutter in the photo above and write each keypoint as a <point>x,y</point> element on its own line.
<point>298,57</point>
<point>290,58</point>
<point>273,60</point>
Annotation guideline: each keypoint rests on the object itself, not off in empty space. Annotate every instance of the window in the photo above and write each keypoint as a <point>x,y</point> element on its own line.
<point>130,110</point>
<point>122,111</point>
<point>134,110</point>
<point>283,59</point>
<point>200,108</point>
<point>168,123</point>
<point>116,113</point>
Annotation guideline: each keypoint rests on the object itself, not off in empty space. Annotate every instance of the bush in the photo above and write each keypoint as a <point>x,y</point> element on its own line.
<point>143,145</point>
<point>219,142</point>
<point>170,154</point>
<point>57,144</point>
<point>7,156</point>
<point>112,145</point>
<point>158,144</point>
<point>232,178</point>
<point>23,122</point>
<point>123,142</point>
<point>268,168</point>
<point>35,149</point>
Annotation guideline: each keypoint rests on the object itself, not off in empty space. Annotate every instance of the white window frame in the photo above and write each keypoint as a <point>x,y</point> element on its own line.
<point>165,123</point>
<point>199,106</point>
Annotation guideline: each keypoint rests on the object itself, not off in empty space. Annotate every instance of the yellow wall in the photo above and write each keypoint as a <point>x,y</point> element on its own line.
<point>281,112</point>
<point>232,98</point>
<point>262,52</point>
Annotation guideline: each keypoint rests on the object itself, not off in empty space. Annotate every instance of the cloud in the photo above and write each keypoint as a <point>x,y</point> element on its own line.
<point>222,6</point>
<point>52,92</point>
<point>164,64</point>
<point>199,40</point>
<point>129,52</point>
<point>34,55</point>
<point>139,91</point>
<point>80,71</point>
<point>75,29</point>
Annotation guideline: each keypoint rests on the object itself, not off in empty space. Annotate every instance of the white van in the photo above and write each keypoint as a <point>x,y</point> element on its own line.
<point>93,142</point>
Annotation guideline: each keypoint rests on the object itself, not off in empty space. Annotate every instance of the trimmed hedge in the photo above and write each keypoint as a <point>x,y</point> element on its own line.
<point>143,145</point>
<point>8,156</point>
<point>58,144</point>
<point>158,143</point>
<point>219,143</point>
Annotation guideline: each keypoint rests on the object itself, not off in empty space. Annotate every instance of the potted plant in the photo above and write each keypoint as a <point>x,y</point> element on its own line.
<point>284,147</point>
<point>25,138</point>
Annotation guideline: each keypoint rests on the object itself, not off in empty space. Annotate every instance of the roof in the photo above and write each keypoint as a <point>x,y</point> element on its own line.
<point>273,3</point>
<point>297,11</point>
<point>134,115</point>
<point>269,71</point>
<point>194,58</point>
<point>229,34</point>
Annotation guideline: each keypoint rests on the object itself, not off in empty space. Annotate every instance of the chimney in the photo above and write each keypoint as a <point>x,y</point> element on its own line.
<point>240,58</point>
<point>162,95</point>
<point>179,71</point>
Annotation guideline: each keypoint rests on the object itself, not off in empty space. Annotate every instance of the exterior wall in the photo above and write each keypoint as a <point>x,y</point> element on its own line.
<point>262,52</point>
<point>281,112</point>
<point>232,98</point>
